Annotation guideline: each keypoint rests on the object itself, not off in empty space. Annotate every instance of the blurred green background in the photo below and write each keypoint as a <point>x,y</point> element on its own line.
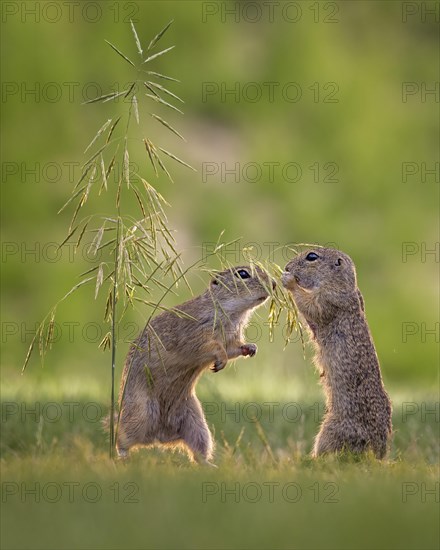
<point>359,123</point>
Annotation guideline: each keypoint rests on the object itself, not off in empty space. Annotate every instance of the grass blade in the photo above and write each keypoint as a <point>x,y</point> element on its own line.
<point>89,185</point>
<point>100,131</point>
<point>29,353</point>
<point>148,147</point>
<point>99,98</point>
<point>88,163</point>
<point>159,35</point>
<point>120,53</point>
<point>75,288</point>
<point>141,204</point>
<point>126,165</point>
<point>177,159</point>
<point>118,194</point>
<point>165,90</point>
<point>164,76</point>
<point>134,104</point>
<point>161,164</point>
<point>49,334</point>
<point>160,100</point>
<point>130,89</point>
<point>77,209</point>
<point>112,163</point>
<point>136,38</point>
<point>106,341</point>
<point>165,123</point>
<point>263,438</point>
<point>72,197</point>
<point>108,306</point>
<point>68,237</point>
<point>152,90</point>
<point>112,129</point>
<point>117,94</point>
<point>104,98</point>
<point>93,248</point>
<point>99,280</point>
<point>158,54</point>
<point>108,243</point>
<point>83,175</point>
<point>103,174</point>
<point>157,196</point>
<point>81,236</point>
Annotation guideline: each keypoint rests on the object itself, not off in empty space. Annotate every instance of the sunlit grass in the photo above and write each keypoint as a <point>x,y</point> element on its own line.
<point>254,497</point>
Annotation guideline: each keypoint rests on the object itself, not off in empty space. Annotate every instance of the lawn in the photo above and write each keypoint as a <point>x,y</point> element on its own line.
<point>60,489</point>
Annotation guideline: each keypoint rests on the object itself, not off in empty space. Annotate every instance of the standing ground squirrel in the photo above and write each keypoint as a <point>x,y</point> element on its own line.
<point>358,415</point>
<point>159,404</point>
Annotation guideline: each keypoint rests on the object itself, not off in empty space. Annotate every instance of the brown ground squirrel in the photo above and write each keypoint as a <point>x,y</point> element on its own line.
<point>358,415</point>
<point>165,362</point>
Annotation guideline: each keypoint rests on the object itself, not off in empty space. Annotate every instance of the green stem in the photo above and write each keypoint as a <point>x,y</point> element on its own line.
<point>115,288</point>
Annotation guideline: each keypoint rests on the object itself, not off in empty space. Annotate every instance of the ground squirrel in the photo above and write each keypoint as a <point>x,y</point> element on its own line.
<point>164,363</point>
<point>358,415</point>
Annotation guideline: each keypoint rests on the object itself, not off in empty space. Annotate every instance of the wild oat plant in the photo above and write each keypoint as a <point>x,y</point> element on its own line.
<point>134,256</point>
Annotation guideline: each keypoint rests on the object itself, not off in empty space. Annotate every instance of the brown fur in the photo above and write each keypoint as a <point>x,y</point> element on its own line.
<point>358,415</point>
<point>165,362</point>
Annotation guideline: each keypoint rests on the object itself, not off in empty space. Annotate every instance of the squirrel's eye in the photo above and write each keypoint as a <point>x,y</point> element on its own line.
<point>243,274</point>
<point>339,261</point>
<point>312,256</point>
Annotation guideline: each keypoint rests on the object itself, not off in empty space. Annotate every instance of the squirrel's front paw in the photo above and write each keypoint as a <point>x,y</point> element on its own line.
<point>218,365</point>
<point>249,349</point>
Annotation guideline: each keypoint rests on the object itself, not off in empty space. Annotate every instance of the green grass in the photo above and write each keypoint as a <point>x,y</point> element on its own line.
<point>174,505</point>
<point>266,493</point>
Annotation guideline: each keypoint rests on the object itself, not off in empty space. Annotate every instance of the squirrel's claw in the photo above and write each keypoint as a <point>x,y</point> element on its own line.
<point>249,350</point>
<point>218,365</point>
